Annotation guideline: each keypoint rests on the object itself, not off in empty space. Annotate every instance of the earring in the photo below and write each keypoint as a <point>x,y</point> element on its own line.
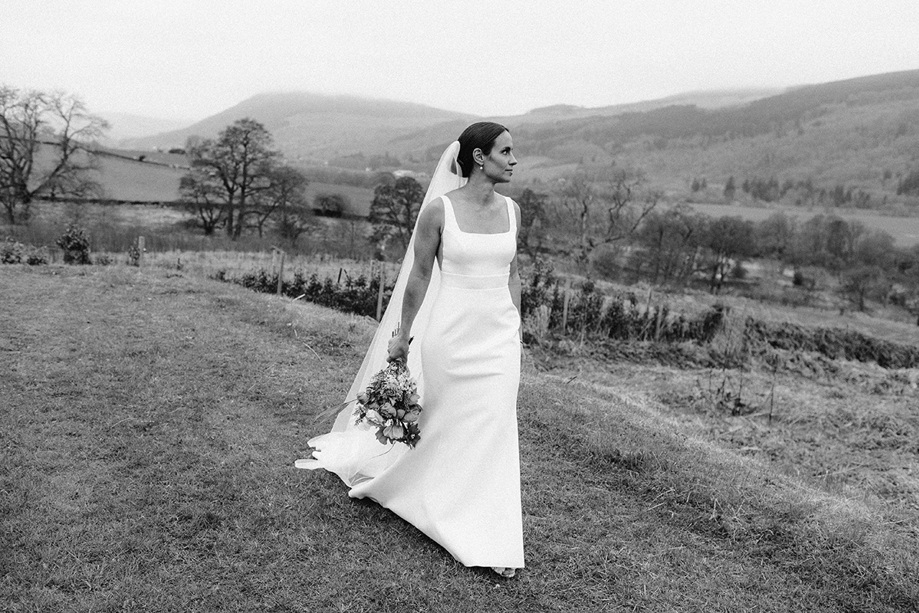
<point>481,166</point>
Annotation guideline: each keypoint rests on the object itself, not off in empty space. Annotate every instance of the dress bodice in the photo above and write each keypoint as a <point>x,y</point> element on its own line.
<point>473,254</point>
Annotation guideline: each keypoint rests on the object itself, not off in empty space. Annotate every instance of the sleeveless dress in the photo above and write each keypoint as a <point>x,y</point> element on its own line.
<point>461,484</point>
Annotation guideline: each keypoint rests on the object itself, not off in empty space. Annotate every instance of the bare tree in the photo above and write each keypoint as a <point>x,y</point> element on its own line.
<point>393,211</point>
<point>285,200</point>
<point>626,206</point>
<point>578,196</point>
<point>532,218</point>
<point>728,240</point>
<point>672,240</point>
<point>604,209</point>
<point>46,142</point>
<point>235,168</point>
<point>203,197</point>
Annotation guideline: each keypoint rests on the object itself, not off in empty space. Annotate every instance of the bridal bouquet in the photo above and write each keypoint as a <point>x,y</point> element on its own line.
<point>390,403</point>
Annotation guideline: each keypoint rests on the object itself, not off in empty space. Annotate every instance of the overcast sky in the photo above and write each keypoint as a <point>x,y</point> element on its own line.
<point>188,59</point>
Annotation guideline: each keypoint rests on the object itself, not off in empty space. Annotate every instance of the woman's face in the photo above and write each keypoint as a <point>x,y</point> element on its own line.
<point>499,164</point>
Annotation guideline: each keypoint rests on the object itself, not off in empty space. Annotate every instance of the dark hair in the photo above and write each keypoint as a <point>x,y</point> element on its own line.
<point>481,135</point>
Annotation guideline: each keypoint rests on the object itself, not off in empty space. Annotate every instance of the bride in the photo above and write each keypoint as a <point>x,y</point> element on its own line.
<point>458,295</point>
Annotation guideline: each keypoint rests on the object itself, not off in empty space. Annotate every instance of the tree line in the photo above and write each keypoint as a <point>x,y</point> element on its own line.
<point>612,226</point>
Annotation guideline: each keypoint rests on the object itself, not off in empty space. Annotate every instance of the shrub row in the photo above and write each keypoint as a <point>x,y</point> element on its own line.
<point>618,316</point>
<point>590,312</point>
<point>834,343</point>
<point>351,295</point>
<point>14,252</point>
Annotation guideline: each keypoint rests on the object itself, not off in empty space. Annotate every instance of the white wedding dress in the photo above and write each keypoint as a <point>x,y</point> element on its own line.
<point>461,484</point>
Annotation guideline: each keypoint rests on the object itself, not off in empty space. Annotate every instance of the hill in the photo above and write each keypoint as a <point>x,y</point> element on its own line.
<point>713,99</point>
<point>318,128</point>
<point>857,136</point>
<point>313,127</point>
<point>860,133</point>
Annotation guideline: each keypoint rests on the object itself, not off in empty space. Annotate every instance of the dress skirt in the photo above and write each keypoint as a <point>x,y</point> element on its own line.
<point>461,484</point>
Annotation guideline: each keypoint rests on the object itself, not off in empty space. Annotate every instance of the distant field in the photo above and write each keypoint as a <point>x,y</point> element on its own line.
<point>359,198</point>
<point>136,181</point>
<point>904,230</point>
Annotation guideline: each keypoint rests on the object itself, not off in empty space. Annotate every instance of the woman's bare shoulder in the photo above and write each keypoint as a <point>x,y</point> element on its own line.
<point>516,208</point>
<point>433,213</point>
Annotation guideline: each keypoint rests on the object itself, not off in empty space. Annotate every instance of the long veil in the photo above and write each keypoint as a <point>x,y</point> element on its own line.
<point>446,178</point>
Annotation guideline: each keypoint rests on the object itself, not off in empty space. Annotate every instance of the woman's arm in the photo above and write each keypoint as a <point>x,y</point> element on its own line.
<point>427,243</point>
<point>513,281</point>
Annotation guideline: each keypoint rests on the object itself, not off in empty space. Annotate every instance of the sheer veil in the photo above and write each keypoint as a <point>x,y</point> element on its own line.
<point>446,178</point>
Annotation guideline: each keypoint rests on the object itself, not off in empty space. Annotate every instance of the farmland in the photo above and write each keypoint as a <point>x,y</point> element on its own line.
<point>904,230</point>
<point>124,178</point>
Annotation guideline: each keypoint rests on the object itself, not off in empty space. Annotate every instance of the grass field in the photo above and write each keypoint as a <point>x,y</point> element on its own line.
<point>149,424</point>
<point>904,230</point>
<point>136,181</point>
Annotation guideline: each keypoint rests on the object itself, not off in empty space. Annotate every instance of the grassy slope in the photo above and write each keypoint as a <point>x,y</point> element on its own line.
<point>150,421</point>
<point>135,181</point>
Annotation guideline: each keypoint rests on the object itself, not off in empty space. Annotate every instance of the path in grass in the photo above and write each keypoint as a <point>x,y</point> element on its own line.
<point>150,422</point>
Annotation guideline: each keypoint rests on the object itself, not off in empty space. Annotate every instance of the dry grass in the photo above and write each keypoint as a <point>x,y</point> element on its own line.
<point>150,422</point>
<point>114,228</point>
<point>236,263</point>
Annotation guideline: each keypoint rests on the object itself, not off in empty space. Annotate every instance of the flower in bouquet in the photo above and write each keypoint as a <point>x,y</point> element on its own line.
<point>390,404</point>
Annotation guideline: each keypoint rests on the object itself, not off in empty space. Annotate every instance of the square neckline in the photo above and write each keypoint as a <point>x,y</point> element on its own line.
<point>510,224</point>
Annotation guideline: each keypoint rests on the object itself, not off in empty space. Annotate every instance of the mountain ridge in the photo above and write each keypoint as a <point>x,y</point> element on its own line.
<point>853,134</point>
<point>281,112</point>
<point>315,127</point>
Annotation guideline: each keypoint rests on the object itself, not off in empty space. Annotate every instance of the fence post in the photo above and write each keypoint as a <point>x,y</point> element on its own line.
<point>281,274</point>
<point>380,293</point>
<point>565,309</point>
<point>140,250</point>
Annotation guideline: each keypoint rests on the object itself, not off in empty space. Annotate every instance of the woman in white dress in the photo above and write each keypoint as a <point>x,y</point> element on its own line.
<point>458,295</point>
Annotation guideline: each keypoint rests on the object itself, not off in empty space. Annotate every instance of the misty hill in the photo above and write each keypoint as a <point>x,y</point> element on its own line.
<point>318,128</point>
<point>781,112</point>
<point>703,99</point>
<point>426,145</point>
<point>861,134</point>
<point>854,132</point>
<point>124,126</point>
<point>314,127</point>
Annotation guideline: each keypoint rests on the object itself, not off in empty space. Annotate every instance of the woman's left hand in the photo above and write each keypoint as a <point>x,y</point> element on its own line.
<point>398,347</point>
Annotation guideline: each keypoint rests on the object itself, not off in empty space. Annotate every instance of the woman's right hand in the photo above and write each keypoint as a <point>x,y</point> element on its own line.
<point>398,347</point>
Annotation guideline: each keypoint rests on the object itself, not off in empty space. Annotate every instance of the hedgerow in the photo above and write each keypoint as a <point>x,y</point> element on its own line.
<point>590,312</point>
<point>834,343</point>
<point>14,252</point>
<point>357,295</point>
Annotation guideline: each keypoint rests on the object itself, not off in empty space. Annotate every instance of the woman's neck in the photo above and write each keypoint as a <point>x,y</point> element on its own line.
<point>480,190</point>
